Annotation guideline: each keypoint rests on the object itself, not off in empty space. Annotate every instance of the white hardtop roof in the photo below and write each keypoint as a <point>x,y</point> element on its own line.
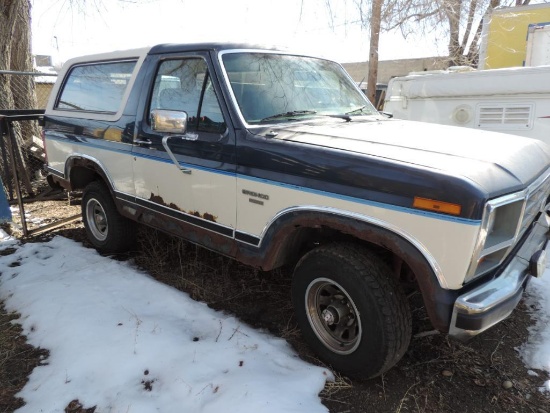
<point>118,54</point>
<point>516,80</point>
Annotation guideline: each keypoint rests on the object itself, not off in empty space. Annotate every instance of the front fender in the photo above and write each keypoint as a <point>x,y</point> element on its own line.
<point>279,239</point>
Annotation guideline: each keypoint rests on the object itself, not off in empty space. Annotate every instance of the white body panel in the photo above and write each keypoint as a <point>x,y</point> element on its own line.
<point>197,193</point>
<point>449,242</point>
<point>515,101</point>
<point>117,165</point>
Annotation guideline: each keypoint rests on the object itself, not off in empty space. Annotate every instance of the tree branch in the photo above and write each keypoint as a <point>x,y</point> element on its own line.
<point>469,23</point>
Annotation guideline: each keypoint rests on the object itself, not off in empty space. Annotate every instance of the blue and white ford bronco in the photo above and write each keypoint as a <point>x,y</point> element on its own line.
<point>274,158</point>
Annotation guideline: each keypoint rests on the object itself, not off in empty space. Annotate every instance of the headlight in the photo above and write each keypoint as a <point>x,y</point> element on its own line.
<point>500,226</point>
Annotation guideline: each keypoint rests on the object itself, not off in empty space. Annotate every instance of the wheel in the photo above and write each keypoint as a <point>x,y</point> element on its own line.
<point>107,230</point>
<point>351,310</point>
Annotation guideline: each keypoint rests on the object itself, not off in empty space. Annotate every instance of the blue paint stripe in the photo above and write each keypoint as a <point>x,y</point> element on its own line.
<point>185,165</point>
<point>390,207</point>
<point>109,147</point>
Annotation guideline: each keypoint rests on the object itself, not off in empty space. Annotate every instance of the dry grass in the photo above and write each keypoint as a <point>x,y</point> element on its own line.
<point>17,360</point>
<point>219,281</point>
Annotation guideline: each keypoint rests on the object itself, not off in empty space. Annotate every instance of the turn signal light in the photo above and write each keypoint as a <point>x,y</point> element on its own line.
<point>437,206</point>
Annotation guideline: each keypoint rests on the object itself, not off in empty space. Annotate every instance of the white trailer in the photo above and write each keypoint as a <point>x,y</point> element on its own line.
<point>510,100</point>
<point>538,45</point>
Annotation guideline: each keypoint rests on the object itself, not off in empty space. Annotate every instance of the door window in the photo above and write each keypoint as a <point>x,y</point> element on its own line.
<point>185,85</point>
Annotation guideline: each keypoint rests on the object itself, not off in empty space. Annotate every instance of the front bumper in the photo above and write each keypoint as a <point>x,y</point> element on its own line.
<point>491,302</point>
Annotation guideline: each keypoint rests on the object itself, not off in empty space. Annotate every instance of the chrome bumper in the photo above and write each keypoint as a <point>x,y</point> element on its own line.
<point>490,303</point>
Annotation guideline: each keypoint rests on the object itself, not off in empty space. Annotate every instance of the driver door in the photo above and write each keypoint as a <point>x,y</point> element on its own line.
<point>192,176</point>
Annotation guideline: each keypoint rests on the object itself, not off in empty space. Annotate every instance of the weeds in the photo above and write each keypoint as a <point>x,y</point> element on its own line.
<point>17,360</point>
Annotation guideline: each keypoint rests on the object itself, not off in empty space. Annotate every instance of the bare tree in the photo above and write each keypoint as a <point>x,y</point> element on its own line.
<point>460,20</point>
<point>15,55</point>
<point>376,17</point>
<point>15,52</point>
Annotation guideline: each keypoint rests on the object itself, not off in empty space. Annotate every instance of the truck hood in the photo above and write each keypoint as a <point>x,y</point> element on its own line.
<point>498,163</point>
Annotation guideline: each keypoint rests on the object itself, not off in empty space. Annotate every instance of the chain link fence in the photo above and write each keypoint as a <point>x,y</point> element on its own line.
<point>19,84</point>
<point>29,90</point>
<point>22,155</point>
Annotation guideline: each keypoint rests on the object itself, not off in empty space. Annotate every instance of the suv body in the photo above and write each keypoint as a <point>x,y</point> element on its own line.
<point>275,159</point>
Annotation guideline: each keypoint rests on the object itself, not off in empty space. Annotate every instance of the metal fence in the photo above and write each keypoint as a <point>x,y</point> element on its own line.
<point>30,90</point>
<point>22,155</point>
<point>43,84</point>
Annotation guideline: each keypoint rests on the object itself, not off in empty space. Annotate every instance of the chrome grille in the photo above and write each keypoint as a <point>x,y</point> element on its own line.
<point>537,195</point>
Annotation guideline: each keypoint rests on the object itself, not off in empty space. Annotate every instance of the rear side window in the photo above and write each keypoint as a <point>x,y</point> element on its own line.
<point>96,87</point>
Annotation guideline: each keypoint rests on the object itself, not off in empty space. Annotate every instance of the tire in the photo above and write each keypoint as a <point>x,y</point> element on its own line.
<point>351,310</point>
<point>106,229</point>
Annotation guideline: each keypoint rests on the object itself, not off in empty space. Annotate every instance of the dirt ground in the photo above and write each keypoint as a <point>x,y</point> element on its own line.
<point>435,375</point>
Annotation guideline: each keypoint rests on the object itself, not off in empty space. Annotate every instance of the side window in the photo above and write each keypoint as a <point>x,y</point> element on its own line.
<point>96,87</point>
<point>179,85</point>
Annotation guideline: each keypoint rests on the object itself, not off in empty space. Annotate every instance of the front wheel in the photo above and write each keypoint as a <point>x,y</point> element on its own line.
<point>351,310</point>
<point>107,230</point>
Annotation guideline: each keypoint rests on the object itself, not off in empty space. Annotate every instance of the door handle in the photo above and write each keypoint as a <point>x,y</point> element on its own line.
<point>188,136</point>
<point>145,142</point>
<point>171,154</point>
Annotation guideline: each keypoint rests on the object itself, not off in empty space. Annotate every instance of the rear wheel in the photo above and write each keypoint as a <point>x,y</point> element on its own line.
<point>351,310</point>
<point>107,230</point>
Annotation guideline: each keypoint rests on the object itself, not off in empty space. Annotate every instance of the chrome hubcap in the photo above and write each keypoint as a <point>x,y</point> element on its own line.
<point>97,220</point>
<point>333,316</point>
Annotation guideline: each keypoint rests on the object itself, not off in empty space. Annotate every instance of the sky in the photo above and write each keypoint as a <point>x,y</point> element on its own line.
<point>124,342</point>
<point>63,31</point>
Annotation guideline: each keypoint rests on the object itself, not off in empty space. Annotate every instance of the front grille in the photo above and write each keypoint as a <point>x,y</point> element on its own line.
<point>537,198</point>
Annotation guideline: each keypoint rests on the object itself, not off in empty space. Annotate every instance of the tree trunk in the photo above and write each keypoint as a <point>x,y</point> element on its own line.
<point>17,92</point>
<point>23,87</point>
<point>473,53</point>
<point>15,54</point>
<point>8,11</point>
<point>373,49</point>
<point>453,12</point>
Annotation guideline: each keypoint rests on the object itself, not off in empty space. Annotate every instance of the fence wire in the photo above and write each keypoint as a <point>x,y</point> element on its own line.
<point>22,155</point>
<point>42,83</point>
<point>29,90</point>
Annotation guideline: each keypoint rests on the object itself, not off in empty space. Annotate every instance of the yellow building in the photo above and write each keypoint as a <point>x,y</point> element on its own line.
<point>505,30</point>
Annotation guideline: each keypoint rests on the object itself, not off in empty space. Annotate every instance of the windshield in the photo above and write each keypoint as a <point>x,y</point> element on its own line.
<point>274,87</point>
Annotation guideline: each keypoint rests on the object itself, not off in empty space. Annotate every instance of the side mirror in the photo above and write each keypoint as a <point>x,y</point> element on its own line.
<point>170,121</point>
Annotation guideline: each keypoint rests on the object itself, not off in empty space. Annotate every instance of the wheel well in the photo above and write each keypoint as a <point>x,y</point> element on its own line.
<point>81,176</point>
<point>82,171</point>
<point>304,239</point>
<point>293,235</point>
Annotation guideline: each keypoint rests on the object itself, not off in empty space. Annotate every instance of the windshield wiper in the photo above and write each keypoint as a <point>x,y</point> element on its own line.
<point>355,111</point>
<point>289,114</point>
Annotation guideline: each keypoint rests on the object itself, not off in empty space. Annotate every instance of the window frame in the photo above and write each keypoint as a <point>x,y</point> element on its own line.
<point>58,101</point>
<point>94,115</point>
<point>208,78</point>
